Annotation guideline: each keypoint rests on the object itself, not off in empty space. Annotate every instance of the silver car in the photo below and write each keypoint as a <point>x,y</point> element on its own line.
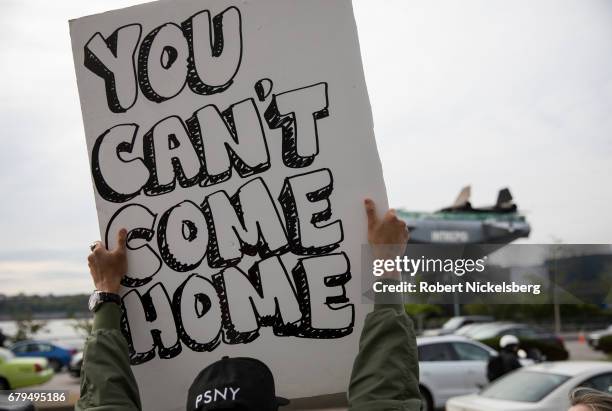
<point>449,366</point>
<point>541,387</point>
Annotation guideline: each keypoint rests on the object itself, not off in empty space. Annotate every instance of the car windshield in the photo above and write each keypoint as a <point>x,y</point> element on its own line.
<point>466,329</point>
<point>485,332</point>
<point>452,323</point>
<point>5,354</point>
<point>490,331</point>
<point>470,329</point>
<point>524,386</point>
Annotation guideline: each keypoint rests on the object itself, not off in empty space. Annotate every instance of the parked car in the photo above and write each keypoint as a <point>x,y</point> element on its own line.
<point>594,337</point>
<point>474,329</point>
<point>57,356</point>
<point>541,387</point>
<point>22,372</point>
<point>75,364</point>
<point>469,328</point>
<point>454,323</point>
<point>537,343</point>
<point>450,366</point>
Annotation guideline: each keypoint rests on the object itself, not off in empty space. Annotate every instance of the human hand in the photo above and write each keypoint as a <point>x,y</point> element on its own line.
<point>387,235</point>
<point>107,268</point>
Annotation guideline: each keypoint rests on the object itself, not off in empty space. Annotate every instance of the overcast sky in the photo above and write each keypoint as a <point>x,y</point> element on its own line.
<point>489,93</point>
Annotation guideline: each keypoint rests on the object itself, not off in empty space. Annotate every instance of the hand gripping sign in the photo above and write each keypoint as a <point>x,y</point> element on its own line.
<point>234,141</point>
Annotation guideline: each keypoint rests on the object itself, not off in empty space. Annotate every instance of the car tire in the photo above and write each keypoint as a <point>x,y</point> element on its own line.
<point>4,384</point>
<point>55,365</point>
<point>426,400</point>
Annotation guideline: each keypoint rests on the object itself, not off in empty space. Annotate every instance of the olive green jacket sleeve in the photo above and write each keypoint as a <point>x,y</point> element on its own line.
<point>385,374</point>
<point>107,381</point>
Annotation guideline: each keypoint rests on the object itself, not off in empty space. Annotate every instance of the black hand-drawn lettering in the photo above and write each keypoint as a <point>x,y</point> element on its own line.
<point>336,316</point>
<point>202,52</point>
<point>143,261</point>
<point>215,51</point>
<point>197,312</point>
<point>182,236</point>
<point>296,112</point>
<point>305,203</point>
<point>113,60</point>
<point>263,88</point>
<point>109,164</point>
<point>162,63</point>
<point>152,314</point>
<point>232,139</point>
<point>169,155</point>
<point>271,301</point>
<point>248,223</point>
<point>235,305</point>
<point>214,143</point>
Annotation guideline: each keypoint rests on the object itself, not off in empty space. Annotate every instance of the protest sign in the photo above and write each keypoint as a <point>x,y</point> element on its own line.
<point>234,140</point>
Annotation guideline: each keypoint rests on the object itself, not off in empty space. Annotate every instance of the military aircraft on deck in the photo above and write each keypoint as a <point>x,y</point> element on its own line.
<point>463,224</point>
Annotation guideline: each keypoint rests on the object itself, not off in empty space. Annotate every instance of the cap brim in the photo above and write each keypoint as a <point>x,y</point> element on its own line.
<point>281,401</point>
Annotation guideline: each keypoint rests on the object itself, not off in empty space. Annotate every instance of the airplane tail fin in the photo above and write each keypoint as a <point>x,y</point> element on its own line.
<point>463,198</point>
<point>504,199</point>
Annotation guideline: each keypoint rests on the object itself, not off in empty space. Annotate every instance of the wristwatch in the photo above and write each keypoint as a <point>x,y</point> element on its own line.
<point>100,297</point>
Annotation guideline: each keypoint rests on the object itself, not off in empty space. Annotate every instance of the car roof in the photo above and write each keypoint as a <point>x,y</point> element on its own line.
<point>443,338</point>
<point>492,325</point>
<point>27,342</point>
<point>504,325</point>
<point>33,342</point>
<point>520,325</point>
<point>571,368</point>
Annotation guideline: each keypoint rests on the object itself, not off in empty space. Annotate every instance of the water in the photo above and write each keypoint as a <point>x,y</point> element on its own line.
<point>60,332</point>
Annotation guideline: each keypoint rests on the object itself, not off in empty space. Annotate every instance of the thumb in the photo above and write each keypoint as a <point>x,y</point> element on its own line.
<point>121,240</point>
<point>370,209</point>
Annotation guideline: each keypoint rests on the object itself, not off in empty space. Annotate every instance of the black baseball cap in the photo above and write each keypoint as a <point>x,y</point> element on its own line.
<point>234,383</point>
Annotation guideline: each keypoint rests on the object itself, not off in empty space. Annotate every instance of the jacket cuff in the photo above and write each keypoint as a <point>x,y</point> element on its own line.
<point>107,317</point>
<point>388,299</point>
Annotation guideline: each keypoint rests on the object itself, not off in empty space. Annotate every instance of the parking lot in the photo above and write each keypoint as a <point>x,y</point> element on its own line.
<point>582,352</point>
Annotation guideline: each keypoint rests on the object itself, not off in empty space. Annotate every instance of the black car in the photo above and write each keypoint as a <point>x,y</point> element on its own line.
<point>536,342</point>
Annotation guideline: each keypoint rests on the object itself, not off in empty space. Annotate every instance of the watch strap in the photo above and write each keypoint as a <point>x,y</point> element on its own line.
<point>109,297</point>
<point>100,297</point>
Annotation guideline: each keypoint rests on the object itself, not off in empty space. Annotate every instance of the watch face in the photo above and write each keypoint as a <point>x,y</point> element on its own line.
<point>93,301</point>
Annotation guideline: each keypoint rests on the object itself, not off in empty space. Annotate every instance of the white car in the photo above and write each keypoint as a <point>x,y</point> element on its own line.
<point>450,366</point>
<point>75,364</point>
<point>541,387</point>
<point>594,337</point>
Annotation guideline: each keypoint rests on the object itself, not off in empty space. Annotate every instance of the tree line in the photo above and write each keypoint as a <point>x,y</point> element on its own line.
<point>31,306</point>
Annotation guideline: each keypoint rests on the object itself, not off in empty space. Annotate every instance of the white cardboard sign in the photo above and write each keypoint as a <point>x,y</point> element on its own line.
<point>234,140</point>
